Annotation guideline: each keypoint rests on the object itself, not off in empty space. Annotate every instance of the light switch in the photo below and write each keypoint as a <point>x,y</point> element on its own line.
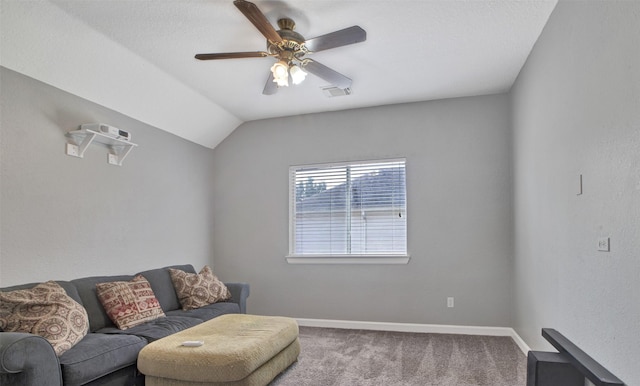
<point>579,185</point>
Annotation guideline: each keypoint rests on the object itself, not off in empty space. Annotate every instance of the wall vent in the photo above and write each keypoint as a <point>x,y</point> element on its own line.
<point>333,91</point>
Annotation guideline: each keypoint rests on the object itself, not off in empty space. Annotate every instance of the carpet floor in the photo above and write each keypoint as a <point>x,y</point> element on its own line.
<point>337,357</point>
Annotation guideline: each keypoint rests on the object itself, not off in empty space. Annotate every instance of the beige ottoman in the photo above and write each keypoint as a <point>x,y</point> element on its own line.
<point>238,350</point>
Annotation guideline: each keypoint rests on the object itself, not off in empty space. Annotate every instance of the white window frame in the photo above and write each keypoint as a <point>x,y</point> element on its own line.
<point>293,258</point>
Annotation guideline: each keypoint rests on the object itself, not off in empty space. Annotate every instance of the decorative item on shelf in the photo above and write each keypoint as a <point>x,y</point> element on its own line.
<point>117,141</point>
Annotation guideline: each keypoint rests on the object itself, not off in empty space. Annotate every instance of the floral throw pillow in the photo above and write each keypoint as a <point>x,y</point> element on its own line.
<point>129,303</point>
<point>197,290</point>
<point>45,310</point>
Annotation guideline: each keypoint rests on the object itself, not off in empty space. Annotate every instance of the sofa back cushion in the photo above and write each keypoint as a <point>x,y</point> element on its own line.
<point>86,287</point>
<point>162,285</point>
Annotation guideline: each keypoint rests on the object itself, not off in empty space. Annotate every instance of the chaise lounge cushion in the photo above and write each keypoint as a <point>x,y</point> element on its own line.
<point>241,350</point>
<point>99,354</point>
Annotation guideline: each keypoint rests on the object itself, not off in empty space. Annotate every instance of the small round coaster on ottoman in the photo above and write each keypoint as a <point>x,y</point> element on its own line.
<point>238,350</point>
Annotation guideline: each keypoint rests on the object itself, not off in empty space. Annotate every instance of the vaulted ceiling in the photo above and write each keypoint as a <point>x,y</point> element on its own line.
<point>137,56</point>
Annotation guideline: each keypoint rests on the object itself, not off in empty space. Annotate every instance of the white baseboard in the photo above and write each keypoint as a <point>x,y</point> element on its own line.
<point>520,342</point>
<point>414,327</point>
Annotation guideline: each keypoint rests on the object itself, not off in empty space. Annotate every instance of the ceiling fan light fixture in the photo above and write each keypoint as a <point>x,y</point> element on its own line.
<point>297,74</point>
<point>280,72</point>
<point>289,48</point>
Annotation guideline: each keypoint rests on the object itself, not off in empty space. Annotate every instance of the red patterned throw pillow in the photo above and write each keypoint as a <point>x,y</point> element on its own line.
<point>129,303</point>
<point>44,310</point>
<point>197,290</point>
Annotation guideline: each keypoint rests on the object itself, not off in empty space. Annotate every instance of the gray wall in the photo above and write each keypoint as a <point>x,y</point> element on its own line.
<point>64,217</point>
<point>459,213</point>
<point>576,110</point>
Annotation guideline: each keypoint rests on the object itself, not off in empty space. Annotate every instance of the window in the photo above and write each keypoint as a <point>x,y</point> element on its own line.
<point>348,209</point>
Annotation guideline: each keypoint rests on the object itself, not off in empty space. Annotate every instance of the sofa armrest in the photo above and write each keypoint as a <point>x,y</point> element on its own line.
<point>239,294</point>
<point>27,359</point>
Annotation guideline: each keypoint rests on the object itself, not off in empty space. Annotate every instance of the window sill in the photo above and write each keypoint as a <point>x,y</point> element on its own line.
<point>348,259</point>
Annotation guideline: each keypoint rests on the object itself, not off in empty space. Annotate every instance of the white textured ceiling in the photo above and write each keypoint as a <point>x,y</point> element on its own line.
<point>136,56</point>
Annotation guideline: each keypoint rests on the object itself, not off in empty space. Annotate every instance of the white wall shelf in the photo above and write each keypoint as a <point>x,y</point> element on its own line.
<point>79,141</point>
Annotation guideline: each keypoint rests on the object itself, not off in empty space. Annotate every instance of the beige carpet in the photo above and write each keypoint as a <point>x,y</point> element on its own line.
<point>358,358</point>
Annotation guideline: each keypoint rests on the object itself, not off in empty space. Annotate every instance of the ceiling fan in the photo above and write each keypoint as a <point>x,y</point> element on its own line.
<point>290,49</point>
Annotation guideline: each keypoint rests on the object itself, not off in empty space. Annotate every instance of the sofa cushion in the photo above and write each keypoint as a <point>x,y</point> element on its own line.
<point>162,285</point>
<point>45,310</point>
<point>97,355</point>
<point>208,312</point>
<point>86,287</point>
<point>198,290</point>
<point>156,329</point>
<point>129,303</point>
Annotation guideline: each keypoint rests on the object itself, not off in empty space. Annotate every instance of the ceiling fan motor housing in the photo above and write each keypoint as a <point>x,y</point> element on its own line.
<point>292,45</point>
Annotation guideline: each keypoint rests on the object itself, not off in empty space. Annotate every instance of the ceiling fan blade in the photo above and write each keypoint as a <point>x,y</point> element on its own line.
<point>258,19</point>
<point>232,55</point>
<point>270,87</point>
<point>335,39</point>
<point>324,72</point>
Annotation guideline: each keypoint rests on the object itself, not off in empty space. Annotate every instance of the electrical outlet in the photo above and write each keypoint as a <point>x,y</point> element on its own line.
<point>73,150</point>
<point>603,244</point>
<point>112,159</point>
<point>450,302</point>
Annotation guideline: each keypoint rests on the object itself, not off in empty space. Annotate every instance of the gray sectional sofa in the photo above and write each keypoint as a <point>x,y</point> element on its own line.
<point>106,355</point>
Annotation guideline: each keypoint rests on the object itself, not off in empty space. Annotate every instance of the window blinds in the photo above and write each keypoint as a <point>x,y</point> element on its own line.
<point>354,208</point>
